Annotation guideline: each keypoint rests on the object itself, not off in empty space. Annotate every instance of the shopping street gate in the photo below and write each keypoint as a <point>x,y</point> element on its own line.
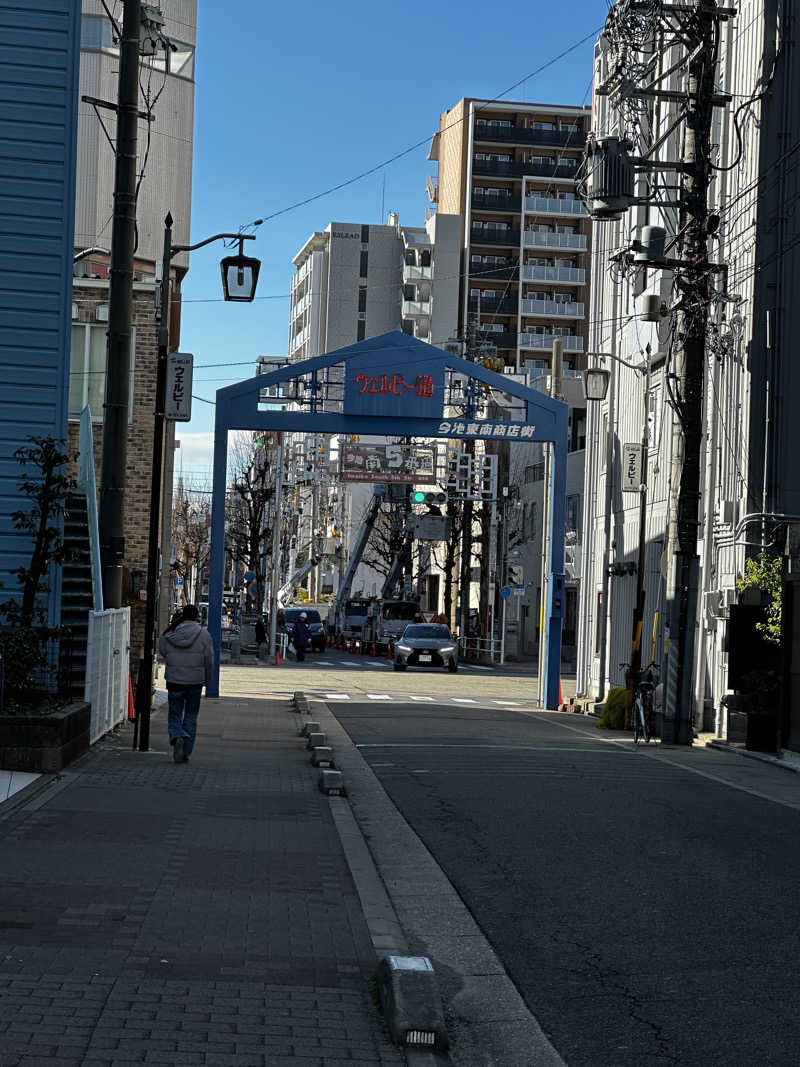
<point>392,385</point>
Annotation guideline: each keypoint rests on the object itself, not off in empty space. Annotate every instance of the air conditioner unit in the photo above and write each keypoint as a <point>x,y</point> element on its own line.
<point>101,313</point>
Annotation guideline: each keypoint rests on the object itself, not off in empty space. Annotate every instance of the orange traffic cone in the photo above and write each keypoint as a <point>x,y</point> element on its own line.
<point>131,712</point>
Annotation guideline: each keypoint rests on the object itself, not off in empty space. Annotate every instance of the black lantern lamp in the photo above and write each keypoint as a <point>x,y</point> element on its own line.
<point>240,276</point>
<point>595,382</point>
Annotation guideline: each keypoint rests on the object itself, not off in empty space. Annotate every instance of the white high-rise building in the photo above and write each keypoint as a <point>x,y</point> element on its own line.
<point>356,281</point>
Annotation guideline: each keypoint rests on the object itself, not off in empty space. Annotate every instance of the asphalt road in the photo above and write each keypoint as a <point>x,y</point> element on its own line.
<point>646,912</point>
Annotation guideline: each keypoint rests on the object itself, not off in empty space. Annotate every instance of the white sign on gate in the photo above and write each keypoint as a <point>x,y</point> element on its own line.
<point>631,468</point>
<point>178,396</point>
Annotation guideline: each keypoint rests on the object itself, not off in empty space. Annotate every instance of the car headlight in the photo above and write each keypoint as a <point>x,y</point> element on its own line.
<point>447,648</point>
<point>403,648</point>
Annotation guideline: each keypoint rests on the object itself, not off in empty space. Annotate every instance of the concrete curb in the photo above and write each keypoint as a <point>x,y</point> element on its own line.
<point>762,757</point>
<point>411,907</point>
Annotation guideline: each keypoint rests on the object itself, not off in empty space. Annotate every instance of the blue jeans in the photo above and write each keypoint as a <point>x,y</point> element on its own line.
<point>184,706</point>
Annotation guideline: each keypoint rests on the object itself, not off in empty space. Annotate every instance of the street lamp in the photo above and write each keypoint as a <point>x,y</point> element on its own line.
<point>239,278</point>
<point>596,386</point>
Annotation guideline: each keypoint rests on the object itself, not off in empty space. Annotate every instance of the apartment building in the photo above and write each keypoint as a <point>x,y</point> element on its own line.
<point>354,281</point>
<point>508,171</point>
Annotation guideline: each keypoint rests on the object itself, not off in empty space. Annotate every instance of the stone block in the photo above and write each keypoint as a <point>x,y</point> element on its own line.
<point>331,782</point>
<point>411,1002</point>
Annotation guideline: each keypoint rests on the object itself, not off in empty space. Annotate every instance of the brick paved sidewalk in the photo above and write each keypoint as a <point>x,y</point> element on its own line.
<point>200,913</point>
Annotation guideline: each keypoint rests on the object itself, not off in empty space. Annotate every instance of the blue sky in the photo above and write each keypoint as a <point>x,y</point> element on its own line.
<point>293,99</point>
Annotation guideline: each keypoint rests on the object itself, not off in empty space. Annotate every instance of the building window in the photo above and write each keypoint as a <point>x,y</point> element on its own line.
<point>97,36</point>
<point>364,234</point>
<point>87,370</point>
<point>363,264</point>
<point>361,331</point>
<point>362,298</point>
<point>574,512</point>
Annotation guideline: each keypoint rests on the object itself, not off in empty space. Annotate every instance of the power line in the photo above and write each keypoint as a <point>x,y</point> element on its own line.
<point>425,140</point>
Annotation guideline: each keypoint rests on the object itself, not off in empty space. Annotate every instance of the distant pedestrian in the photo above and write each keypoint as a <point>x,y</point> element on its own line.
<point>189,653</point>
<point>300,636</point>
<point>261,639</point>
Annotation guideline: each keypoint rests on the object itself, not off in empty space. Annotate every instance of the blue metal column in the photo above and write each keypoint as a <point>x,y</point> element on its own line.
<point>555,585</point>
<point>217,563</point>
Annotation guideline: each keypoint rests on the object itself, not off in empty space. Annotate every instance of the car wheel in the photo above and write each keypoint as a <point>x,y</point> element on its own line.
<point>452,666</point>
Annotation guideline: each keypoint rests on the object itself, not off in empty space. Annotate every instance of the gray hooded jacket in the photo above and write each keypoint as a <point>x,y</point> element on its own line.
<point>189,652</point>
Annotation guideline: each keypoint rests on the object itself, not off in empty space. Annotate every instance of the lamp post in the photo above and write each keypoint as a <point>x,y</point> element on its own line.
<point>596,381</point>
<point>239,279</point>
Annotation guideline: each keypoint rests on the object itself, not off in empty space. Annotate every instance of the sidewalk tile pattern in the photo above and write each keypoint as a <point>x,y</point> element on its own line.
<point>198,914</point>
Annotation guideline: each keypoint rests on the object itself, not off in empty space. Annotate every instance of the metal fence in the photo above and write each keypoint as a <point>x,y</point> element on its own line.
<point>107,677</point>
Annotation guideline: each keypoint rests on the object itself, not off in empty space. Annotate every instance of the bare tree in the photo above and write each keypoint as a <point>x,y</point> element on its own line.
<point>191,525</point>
<point>385,539</point>
<point>250,506</point>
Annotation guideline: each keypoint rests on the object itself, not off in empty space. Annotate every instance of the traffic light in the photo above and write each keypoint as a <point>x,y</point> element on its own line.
<point>515,574</point>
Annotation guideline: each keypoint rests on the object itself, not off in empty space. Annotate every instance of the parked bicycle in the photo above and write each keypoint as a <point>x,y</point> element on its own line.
<point>642,708</point>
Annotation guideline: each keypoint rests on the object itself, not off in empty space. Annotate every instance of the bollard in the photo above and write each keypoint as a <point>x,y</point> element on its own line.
<point>309,728</point>
<point>322,756</point>
<point>331,782</point>
<point>315,740</point>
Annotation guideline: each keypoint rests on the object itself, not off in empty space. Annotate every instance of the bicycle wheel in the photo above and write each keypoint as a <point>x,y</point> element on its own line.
<point>643,723</point>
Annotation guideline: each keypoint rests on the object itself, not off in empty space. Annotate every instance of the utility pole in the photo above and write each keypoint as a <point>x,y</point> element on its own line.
<point>692,323</point>
<point>465,577</point>
<point>120,313</point>
<point>556,373</point>
<point>276,551</point>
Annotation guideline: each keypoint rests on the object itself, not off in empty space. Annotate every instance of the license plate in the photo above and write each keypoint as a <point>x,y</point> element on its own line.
<point>424,659</point>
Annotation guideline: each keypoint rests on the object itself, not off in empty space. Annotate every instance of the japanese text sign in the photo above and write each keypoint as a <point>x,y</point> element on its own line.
<point>178,395</point>
<point>384,383</point>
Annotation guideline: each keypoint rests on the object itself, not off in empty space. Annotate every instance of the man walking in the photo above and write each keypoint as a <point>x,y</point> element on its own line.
<point>189,652</point>
<point>300,636</point>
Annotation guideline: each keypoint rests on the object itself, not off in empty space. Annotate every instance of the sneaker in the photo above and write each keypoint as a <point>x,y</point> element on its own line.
<point>177,750</point>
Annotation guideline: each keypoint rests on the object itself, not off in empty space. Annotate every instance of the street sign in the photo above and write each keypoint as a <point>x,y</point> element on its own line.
<point>505,592</point>
<point>427,616</point>
<point>631,468</point>
<point>178,396</point>
<point>429,527</point>
<point>179,580</point>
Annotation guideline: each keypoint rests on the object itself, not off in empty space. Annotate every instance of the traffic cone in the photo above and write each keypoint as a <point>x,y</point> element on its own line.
<point>131,712</point>
<point>277,657</point>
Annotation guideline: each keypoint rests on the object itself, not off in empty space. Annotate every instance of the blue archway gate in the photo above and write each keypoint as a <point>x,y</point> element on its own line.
<point>392,385</point>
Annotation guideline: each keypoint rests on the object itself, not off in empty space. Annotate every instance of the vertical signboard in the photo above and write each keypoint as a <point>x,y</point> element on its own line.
<point>178,398</point>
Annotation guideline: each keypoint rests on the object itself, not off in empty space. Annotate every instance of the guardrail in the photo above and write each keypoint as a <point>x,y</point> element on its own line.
<point>483,649</point>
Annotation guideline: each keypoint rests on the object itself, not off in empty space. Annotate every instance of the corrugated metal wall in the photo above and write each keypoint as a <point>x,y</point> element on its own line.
<point>38,128</point>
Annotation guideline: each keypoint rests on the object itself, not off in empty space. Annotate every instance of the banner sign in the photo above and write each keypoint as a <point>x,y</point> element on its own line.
<point>178,396</point>
<point>387,463</point>
<point>384,383</point>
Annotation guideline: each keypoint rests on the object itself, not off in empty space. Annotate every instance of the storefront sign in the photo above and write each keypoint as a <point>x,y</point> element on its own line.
<point>387,463</point>
<point>178,396</point>
<point>509,431</point>
<point>383,383</point>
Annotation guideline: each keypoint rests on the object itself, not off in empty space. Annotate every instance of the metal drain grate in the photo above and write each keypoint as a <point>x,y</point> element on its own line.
<point>420,1037</point>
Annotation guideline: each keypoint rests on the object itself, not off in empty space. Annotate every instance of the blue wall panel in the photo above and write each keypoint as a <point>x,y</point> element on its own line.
<point>39,67</point>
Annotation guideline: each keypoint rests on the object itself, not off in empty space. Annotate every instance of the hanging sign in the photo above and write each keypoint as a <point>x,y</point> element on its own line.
<point>631,468</point>
<point>178,396</point>
<point>387,463</point>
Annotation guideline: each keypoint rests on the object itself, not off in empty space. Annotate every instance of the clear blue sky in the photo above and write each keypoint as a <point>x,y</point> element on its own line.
<point>296,98</point>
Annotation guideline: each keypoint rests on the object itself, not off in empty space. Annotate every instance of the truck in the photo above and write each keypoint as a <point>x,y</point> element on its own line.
<point>386,621</point>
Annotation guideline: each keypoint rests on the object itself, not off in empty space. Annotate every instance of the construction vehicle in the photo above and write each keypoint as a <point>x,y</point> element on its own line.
<point>388,616</point>
<point>347,614</point>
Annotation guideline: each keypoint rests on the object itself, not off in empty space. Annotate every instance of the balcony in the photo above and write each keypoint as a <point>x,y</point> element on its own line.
<point>543,342</point>
<point>524,136</point>
<point>552,309</point>
<point>561,275</point>
<point>484,236</point>
<point>574,242</point>
<point>496,203</point>
<point>506,306</point>
<point>415,308</point>
<point>551,205</point>
<point>413,274</point>
<point>504,339</point>
<point>432,188</point>
<point>491,273</point>
<point>516,168</point>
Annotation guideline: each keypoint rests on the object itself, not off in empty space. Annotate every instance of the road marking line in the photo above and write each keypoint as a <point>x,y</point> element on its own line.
<point>464,700</point>
<point>337,696</point>
<point>422,698</point>
<point>605,748</point>
<point>324,662</point>
<point>474,667</point>
<point>349,663</point>
<point>507,703</point>
<point>379,696</point>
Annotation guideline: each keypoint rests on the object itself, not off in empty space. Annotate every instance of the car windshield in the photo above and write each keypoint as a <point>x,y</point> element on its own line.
<point>426,631</point>
<point>356,607</point>
<point>311,617</point>
<point>400,611</point>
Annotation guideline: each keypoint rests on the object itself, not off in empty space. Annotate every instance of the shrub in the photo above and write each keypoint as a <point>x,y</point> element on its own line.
<point>613,714</point>
<point>301,594</point>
